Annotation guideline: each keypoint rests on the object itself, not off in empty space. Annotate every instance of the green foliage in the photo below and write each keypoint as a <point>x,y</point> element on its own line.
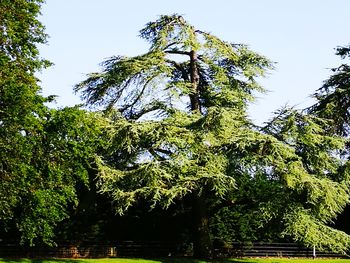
<point>256,213</point>
<point>312,231</point>
<point>177,130</point>
<point>20,33</point>
<point>180,152</point>
<point>333,97</point>
<point>180,131</point>
<point>43,153</point>
<point>160,80</point>
<point>318,178</point>
<point>296,170</point>
<point>41,187</point>
<point>179,107</point>
<point>20,104</point>
<point>165,161</point>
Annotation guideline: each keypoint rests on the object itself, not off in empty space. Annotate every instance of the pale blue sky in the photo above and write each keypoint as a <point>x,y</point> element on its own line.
<point>299,35</point>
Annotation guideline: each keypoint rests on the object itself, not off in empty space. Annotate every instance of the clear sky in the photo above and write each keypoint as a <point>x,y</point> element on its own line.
<point>300,35</point>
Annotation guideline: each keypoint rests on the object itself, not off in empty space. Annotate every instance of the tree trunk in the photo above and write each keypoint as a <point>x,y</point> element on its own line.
<point>202,246</point>
<point>194,96</point>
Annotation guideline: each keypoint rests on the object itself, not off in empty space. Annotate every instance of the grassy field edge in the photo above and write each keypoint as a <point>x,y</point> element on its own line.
<point>174,260</point>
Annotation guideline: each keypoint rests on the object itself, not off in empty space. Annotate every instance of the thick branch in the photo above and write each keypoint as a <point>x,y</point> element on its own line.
<point>177,52</point>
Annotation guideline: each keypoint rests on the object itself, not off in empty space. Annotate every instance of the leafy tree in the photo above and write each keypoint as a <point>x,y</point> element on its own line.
<point>298,193</point>
<point>332,103</point>
<point>60,161</point>
<point>333,97</point>
<point>43,152</point>
<point>180,133</point>
<point>320,184</point>
<point>20,103</point>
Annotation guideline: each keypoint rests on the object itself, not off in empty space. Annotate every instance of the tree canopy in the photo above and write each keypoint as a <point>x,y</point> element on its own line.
<point>333,97</point>
<point>180,133</point>
<point>171,131</point>
<point>20,103</point>
<point>44,153</point>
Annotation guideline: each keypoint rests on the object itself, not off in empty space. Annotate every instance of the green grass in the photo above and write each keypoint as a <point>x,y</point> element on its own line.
<point>172,260</point>
<point>280,260</point>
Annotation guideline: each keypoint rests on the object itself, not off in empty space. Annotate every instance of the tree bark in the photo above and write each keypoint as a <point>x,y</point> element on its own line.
<point>194,96</point>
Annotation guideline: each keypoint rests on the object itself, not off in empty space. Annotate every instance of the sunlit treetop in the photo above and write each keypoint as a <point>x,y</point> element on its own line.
<point>184,68</point>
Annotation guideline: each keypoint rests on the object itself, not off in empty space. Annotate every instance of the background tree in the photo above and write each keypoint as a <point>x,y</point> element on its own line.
<point>321,184</point>
<point>20,103</point>
<point>181,134</point>
<point>44,153</point>
<point>305,185</point>
<point>61,163</point>
<point>333,101</point>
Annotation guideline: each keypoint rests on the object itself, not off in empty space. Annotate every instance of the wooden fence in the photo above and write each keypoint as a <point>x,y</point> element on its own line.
<point>260,249</point>
<point>156,249</point>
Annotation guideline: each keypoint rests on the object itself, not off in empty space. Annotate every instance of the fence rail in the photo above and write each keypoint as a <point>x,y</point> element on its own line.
<point>272,250</point>
<point>157,249</point>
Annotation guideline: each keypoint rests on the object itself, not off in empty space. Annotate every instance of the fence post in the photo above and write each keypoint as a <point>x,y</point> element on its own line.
<point>314,252</point>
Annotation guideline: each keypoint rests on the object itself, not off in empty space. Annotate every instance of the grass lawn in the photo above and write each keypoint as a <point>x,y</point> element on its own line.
<point>173,260</point>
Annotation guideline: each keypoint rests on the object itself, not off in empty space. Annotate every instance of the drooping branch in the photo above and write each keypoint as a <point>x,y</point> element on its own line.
<point>156,106</point>
<point>138,97</point>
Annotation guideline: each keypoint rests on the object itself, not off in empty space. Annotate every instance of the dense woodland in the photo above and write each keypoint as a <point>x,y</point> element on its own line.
<point>164,148</point>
